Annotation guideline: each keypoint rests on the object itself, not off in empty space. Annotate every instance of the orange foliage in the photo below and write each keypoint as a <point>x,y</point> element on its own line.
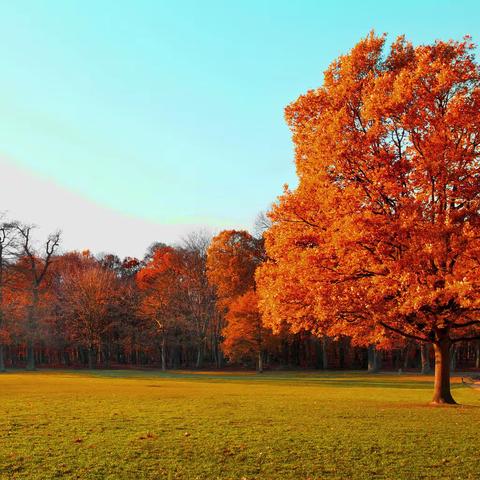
<point>88,298</point>
<point>244,334</point>
<point>162,289</point>
<point>382,234</point>
<point>232,259</point>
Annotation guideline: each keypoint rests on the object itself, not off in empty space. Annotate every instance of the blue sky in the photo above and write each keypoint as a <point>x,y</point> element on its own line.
<point>171,113</point>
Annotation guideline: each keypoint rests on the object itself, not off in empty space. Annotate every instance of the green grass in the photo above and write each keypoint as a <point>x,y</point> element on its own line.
<point>149,425</point>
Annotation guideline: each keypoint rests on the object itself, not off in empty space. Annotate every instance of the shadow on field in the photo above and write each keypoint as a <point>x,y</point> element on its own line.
<point>342,379</point>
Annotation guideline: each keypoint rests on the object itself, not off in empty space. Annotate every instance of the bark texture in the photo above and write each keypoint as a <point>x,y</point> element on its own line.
<point>441,392</point>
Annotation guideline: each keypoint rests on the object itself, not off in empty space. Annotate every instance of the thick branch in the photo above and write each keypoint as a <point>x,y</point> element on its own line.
<point>466,324</point>
<point>404,334</point>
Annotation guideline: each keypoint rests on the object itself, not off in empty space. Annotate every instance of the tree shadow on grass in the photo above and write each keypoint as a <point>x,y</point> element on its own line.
<point>327,379</point>
<point>334,379</point>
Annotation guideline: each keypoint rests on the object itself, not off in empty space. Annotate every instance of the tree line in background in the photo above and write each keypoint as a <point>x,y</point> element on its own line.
<point>189,306</point>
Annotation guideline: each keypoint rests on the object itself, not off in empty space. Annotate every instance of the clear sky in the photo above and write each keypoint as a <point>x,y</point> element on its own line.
<point>128,122</point>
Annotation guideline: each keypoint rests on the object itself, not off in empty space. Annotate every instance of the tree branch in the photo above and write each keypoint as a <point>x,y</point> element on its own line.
<point>466,324</point>
<point>405,334</point>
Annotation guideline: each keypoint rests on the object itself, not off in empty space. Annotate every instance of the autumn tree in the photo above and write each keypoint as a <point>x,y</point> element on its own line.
<point>162,294</point>
<point>233,257</point>
<point>88,300</point>
<point>382,235</point>
<point>245,335</point>
<point>131,329</point>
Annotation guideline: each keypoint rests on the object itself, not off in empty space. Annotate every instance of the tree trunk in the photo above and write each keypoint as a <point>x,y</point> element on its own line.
<point>406,353</point>
<point>260,362</point>
<point>90,357</point>
<point>164,360</point>
<point>32,328</point>
<point>66,358</point>
<point>477,355</point>
<point>220,357</point>
<point>324,353</point>
<point>199,361</point>
<point>372,359</point>
<point>341,352</point>
<point>425,358</point>
<point>177,357</point>
<point>378,359</point>
<point>2,358</point>
<point>107,353</point>
<point>30,355</point>
<point>442,392</point>
<point>453,358</point>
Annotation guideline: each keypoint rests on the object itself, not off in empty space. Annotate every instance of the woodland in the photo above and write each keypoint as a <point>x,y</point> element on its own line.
<point>371,262</point>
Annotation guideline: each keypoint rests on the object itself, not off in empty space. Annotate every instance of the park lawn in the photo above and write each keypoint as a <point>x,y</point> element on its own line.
<point>149,425</point>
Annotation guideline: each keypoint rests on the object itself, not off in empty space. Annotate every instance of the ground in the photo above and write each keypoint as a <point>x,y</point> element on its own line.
<point>149,425</point>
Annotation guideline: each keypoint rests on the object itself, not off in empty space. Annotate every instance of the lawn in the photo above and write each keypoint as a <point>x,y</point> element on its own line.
<point>135,425</point>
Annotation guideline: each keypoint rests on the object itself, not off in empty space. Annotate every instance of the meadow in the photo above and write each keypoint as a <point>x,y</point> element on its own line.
<point>184,425</point>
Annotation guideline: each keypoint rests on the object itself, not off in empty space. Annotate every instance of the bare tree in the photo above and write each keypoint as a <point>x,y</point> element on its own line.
<point>8,245</point>
<point>261,225</point>
<point>197,241</point>
<point>200,294</point>
<point>36,265</point>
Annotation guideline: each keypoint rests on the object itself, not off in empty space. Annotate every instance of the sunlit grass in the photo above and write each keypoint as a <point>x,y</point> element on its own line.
<point>133,425</point>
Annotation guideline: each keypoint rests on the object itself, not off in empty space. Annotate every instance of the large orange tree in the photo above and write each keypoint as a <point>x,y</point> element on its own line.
<point>381,237</point>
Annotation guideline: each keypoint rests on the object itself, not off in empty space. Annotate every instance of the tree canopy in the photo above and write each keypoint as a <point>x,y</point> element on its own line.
<point>381,236</point>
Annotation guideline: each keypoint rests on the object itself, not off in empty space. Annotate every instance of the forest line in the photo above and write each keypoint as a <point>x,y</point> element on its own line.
<point>187,306</point>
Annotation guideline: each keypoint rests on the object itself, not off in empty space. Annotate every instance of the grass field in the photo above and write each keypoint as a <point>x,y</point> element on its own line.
<point>134,425</point>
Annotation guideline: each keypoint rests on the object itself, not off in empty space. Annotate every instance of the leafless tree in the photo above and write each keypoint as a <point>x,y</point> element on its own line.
<point>200,293</point>
<point>262,224</point>
<point>197,241</point>
<point>36,262</point>
<point>8,246</point>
